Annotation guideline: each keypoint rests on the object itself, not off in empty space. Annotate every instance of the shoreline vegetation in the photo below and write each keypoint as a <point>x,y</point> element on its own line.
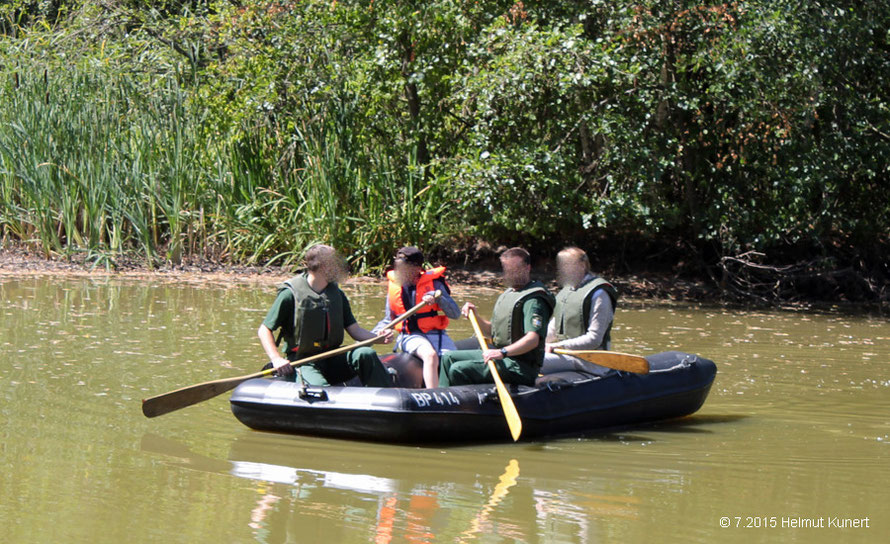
<point>734,151</point>
<point>643,288</point>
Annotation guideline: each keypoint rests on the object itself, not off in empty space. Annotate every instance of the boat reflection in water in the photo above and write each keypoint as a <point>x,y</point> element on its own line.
<point>306,482</point>
<point>329,495</point>
<point>406,516</point>
<point>355,492</point>
<point>361,483</point>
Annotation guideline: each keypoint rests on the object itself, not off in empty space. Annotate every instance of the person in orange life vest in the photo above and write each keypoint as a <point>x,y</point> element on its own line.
<point>423,334</point>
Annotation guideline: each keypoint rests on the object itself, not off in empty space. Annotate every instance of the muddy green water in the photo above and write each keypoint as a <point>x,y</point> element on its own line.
<point>793,440</point>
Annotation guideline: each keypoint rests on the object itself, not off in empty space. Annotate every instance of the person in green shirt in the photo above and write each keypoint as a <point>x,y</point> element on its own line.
<point>518,328</point>
<point>312,314</point>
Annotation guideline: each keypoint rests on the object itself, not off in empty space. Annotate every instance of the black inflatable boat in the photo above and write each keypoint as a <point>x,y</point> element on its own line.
<point>570,401</point>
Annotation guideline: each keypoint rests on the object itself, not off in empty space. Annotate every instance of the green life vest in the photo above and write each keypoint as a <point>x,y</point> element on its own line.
<point>572,312</point>
<point>507,319</point>
<point>318,318</point>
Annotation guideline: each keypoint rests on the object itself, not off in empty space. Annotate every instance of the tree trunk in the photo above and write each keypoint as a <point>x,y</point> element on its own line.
<point>413,97</point>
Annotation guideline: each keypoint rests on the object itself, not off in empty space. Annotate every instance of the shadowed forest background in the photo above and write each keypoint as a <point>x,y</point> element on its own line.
<point>745,143</point>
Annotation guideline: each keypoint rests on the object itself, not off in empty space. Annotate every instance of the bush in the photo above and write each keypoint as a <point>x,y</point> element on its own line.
<point>248,130</point>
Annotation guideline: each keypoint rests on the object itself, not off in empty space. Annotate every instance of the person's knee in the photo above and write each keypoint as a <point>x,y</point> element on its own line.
<point>363,351</point>
<point>364,355</point>
<point>428,355</point>
<point>461,368</point>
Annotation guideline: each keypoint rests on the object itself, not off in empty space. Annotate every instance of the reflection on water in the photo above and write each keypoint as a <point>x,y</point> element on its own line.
<point>383,499</point>
<point>480,522</point>
<point>383,503</point>
<point>796,425</point>
<point>269,517</point>
<point>362,483</point>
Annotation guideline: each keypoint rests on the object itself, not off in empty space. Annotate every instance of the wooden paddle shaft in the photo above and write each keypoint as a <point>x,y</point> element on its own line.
<point>193,394</point>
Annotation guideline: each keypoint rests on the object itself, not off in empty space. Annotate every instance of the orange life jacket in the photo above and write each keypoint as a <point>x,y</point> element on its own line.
<point>429,317</point>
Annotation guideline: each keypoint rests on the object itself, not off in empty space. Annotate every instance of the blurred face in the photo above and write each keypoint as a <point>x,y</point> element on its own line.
<point>333,267</point>
<point>570,271</point>
<point>406,273</point>
<point>516,272</point>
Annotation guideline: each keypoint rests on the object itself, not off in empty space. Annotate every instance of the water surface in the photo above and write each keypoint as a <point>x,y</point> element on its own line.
<point>795,431</point>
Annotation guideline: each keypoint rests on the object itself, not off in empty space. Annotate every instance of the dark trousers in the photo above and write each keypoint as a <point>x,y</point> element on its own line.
<point>340,368</point>
<point>465,367</point>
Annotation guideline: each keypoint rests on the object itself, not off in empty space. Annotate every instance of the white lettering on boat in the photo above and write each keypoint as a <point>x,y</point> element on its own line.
<point>446,398</point>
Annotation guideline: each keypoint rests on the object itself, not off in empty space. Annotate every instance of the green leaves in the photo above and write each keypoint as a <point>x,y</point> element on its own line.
<point>732,127</point>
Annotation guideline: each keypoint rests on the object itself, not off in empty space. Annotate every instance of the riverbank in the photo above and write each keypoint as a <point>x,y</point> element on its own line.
<point>651,287</point>
<point>15,262</point>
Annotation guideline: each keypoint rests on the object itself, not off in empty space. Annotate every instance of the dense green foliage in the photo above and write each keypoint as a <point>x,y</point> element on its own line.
<point>246,130</point>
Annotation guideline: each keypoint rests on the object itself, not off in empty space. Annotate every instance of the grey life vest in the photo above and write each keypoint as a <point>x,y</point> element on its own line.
<point>507,319</point>
<point>573,305</point>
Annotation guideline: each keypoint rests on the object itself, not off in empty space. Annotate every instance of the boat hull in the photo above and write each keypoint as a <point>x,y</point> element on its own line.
<point>564,403</point>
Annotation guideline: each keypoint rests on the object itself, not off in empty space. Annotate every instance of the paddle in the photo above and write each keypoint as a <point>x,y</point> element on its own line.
<point>193,394</point>
<point>507,405</point>
<point>610,359</point>
<point>505,482</point>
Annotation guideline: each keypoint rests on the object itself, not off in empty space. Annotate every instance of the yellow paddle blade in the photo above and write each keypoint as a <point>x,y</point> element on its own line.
<point>513,420</point>
<point>507,405</point>
<point>610,359</point>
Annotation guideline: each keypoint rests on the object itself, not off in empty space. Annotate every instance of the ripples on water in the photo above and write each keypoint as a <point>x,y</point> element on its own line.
<point>796,424</point>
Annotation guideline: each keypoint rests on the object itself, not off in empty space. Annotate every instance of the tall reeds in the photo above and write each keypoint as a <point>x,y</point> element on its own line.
<point>98,163</point>
<point>322,183</point>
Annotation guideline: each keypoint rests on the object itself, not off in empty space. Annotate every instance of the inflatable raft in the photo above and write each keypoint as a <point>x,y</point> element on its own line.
<point>569,401</point>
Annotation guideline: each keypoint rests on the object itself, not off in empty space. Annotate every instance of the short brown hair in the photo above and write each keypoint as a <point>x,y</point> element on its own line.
<point>314,257</point>
<point>517,252</point>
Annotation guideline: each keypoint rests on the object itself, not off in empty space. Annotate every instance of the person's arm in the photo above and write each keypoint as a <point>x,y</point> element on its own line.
<point>360,334</point>
<point>387,318</point>
<point>601,315</point>
<point>281,311</point>
<point>267,340</point>
<point>448,305</point>
<point>528,342</point>
<point>536,315</point>
<point>356,331</point>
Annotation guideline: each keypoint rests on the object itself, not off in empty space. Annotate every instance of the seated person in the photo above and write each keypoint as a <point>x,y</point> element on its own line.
<point>423,334</point>
<point>582,317</point>
<point>518,326</point>
<point>313,313</point>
